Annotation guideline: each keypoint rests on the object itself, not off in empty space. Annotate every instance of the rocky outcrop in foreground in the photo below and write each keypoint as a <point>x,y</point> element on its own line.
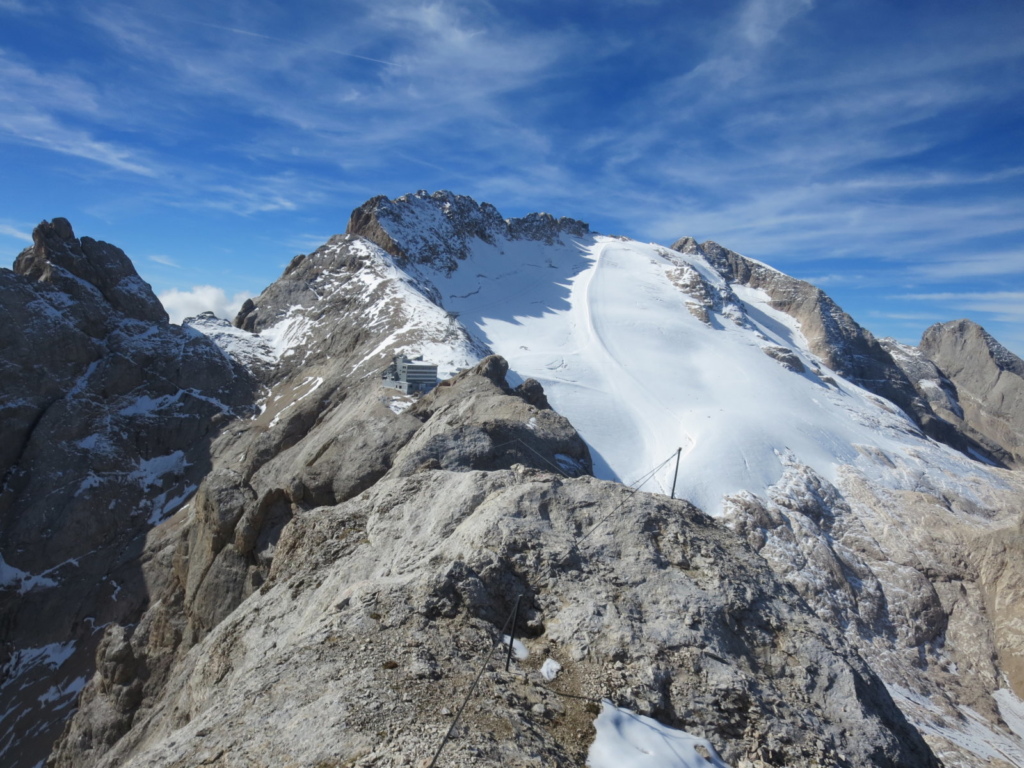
<point>376,612</point>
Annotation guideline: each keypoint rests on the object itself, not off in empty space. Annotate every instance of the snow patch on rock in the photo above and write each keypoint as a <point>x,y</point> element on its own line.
<point>628,740</point>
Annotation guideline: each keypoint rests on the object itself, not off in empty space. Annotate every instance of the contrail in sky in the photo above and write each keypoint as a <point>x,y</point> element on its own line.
<point>279,40</point>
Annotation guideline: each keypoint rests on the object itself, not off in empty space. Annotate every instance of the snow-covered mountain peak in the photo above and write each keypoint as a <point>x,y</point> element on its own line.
<point>642,367</point>
<point>646,349</point>
<point>347,307</point>
<point>441,229</point>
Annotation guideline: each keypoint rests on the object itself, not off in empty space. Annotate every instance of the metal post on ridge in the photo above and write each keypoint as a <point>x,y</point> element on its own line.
<point>483,665</point>
<point>512,633</point>
<point>679,452</point>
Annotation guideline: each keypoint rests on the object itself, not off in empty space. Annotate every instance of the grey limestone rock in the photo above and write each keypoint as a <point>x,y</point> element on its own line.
<point>785,356</point>
<point>471,421</point>
<point>998,560</point>
<point>79,267</point>
<point>107,413</point>
<point>920,581</point>
<point>378,610</point>
<point>942,395</point>
<point>989,382</point>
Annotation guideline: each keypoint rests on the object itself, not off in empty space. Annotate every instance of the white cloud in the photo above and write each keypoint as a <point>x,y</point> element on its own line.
<point>741,45</point>
<point>442,67</point>
<point>972,265</point>
<point>167,261</point>
<point>246,195</point>
<point>37,106</point>
<point>833,279</point>
<point>31,127</point>
<point>1004,306</point>
<point>6,229</point>
<point>28,87</point>
<point>308,242</point>
<point>966,296</point>
<point>792,163</point>
<point>15,6</point>
<point>201,298</point>
<point>916,317</point>
<point>761,21</point>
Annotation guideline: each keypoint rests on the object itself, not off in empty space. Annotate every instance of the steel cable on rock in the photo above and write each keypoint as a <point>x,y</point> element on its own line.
<point>639,483</point>
<point>476,680</point>
<point>632,492</point>
<point>634,487</point>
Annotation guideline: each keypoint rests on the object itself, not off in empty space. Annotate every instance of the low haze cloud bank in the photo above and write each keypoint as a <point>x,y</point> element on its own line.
<point>201,298</point>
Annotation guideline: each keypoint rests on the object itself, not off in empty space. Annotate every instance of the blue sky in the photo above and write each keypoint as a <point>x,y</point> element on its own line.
<point>874,148</point>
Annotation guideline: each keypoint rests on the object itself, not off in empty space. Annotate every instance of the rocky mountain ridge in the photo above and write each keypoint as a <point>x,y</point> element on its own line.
<point>378,608</point>
<point>842,344</point>
<point>349,552</point>
<point>438,228</point>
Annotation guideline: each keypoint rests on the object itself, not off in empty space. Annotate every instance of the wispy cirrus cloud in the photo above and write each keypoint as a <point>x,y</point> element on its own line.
<point>761,21</point>
<point>823,139</point>
<point>306,81</point>
<point>49,110</point>
<point>825,152</point>
<point>835,279</point>
<point>15,232</point>
<point>46,131</point>
<point>443,98</point>
<point>1003,306</point>
<point>742,41</point>
<point>916,317</point>
<point>16,6</point>
<point>822,222</point>
<point>949,268</point>
<point>307,242</point>
<point>226,190</point>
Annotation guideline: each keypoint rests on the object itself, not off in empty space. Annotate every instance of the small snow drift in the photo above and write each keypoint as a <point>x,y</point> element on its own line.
<point>628,740</point>
<point>550,669</point>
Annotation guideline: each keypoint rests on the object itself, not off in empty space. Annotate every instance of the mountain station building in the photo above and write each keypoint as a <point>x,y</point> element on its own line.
<point>410,375</point>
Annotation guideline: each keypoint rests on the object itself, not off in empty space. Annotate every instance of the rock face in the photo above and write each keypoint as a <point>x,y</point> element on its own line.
<point>919,580</point>
<point>931,384</point>
<point>377,611</point>
<point>989,384</point>
<point>83,268</point>
<point>975,383</point>
<point>107,414</point>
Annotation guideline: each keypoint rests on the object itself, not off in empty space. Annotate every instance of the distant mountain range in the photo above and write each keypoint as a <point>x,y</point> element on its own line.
<point>225,543</point>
